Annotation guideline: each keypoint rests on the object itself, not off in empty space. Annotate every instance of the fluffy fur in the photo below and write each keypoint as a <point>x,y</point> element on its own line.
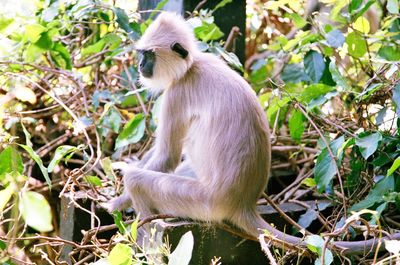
<point>210,114</point>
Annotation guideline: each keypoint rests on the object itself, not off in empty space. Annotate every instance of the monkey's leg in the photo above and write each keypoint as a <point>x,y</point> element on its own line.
<point>169,194</point>
<point>185,169</point>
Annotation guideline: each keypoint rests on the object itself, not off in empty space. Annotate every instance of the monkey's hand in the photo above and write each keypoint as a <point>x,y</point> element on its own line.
<point>120,166</point>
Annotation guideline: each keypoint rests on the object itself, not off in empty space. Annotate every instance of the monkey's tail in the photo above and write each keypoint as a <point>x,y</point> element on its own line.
<point>120,203</point>
<point>252,223</point>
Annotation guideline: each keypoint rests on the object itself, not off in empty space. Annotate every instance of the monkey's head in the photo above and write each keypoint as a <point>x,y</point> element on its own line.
<point>165,51</point>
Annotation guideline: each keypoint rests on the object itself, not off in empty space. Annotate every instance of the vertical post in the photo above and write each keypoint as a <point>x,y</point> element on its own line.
<point>227,17</point>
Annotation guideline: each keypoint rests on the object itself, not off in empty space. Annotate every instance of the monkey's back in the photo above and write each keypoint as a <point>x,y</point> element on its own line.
<point>228,137</point>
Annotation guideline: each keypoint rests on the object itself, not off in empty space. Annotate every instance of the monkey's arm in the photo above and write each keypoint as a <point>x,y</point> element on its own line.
<point>166,154</point>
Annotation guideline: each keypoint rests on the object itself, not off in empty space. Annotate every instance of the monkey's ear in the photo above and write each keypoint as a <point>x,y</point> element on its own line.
<point>177,47</point>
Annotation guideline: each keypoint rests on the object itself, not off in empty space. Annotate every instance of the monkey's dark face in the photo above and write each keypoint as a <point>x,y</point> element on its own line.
<point>147,60</point>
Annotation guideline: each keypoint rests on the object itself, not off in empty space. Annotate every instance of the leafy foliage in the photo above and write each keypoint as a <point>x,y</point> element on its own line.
<point>70,105</point>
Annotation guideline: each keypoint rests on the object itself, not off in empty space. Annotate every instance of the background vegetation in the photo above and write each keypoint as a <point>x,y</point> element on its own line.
<point>326,72</point>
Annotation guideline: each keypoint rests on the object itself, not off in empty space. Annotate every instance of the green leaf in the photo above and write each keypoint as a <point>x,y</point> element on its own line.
<point>110,40</point>
<point>5,22</point>
<point>375,195</point>
<point>132,133</point>
<point>357,46</point>
<point>369,91</point>
<point>326,166</point>
<point>276,105</point>
<point>134,227</point>
<point>396,97</point>
<point>309,182</point>
<point>183,252</point>
<point>110,120</point>
<point>38,161</point>
<point>121,254</point>
<point>5,196</point>
<point>392,6</point>
<point>61,152</point>
<point>36,211</point>
<point>362,25</point>
<point>222,3</point>
<point>357,8</point>
<point>394,167</point>
<point>368,144</point>
<point>34,32</point>
<point>315,65</point>
<point>294,73</point>
<point>316,244</point>
<point>298,20</point>
<point>229,57</point>
<point>94,180</point>
<point>119,222</point>
<point>314,91</point>
<point>208,31</point>
<point>296,125</point>
<point>390,53</point>
<point>107,167</point>
<point>335,38</point>
<point>337,76</point>
<point>122,19</point>
<point>10,161</point>
<point>63,52</point>
<point>354,5</point>
<point>32,53</point>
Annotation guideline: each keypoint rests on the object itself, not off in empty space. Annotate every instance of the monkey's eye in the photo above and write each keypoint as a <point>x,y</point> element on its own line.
<point>177,47</point>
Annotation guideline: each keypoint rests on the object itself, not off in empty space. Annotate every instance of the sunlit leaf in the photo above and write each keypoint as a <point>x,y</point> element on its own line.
<point>24,93</point>
<point>121,254</point>
<point>183,252</point>
<point>107,167</point>
<point>132,133</point>
<point>94,180</point>
<point>393,246</point>
<point>5,22</point>
<point>134,227</point>
<point>298,20</point>
<point>362,25</point>
<point>222,3</point>
<point>393,6</point>
<point>313,92</point>
<point>60,153</point>
<point>36,211</point>
<point>394,167</point>
<point>10,161</point>
<point>357,45</point>
<point>5,196</point>
<point>33,32</point>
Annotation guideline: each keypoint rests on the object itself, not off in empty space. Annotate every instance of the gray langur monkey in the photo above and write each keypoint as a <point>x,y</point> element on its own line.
<point>210,114</point>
